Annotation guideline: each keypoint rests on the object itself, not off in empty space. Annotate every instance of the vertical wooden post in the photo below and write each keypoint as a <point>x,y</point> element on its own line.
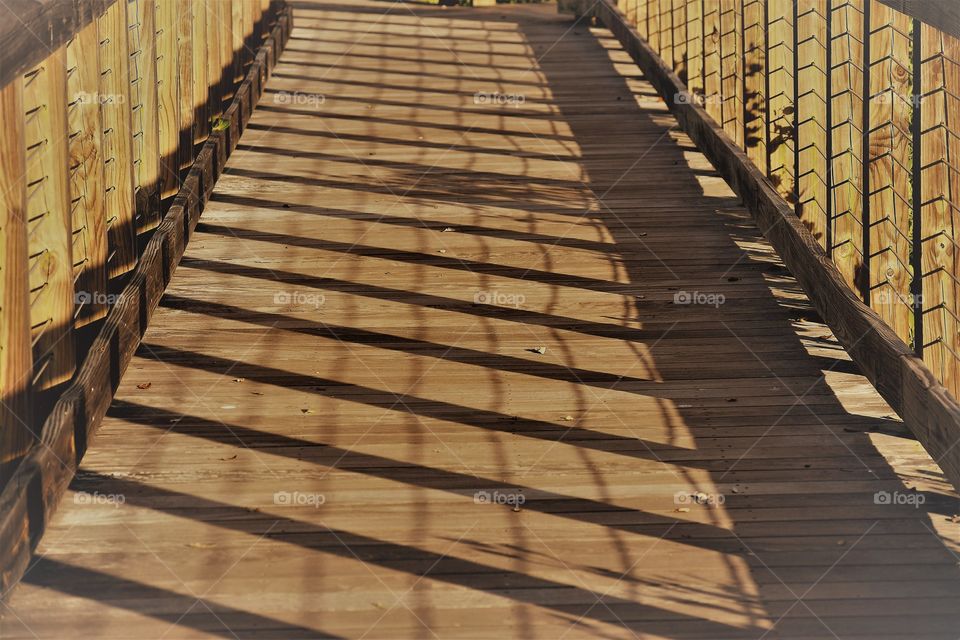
<point>695,46</point>
<point>642,17</point>
<point>754,83</point>
<point>168,98</point>
<point>846,133</point>
<point>940,204</point>
<point>679,38</point>
<point>86,176</point>
<point>141,16</point>
<point>916,195</point>
<point>224,26</point>
<point>780,124</point>
<point>211,10</point>
<point>711,59</point>
<point>238,32</point>
<point>202,87</point>
<point>185,85</point>
<point>731,70</point>
<point>889,187</point>
<point>811,117</point>
<point>117,138</point>
<point>653,24</point>
<point>864,277</point>
<point>51,229</point>
<point>665,21</point>
<point>16,360</point>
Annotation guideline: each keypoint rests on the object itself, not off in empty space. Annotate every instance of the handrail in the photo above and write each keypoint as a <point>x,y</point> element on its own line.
<point>771,89</point>
<point>110,144</point>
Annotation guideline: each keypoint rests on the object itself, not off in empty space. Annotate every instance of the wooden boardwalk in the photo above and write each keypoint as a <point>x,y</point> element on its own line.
<point>426,370</point>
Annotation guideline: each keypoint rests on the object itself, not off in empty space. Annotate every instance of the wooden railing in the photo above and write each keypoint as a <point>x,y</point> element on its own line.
<point>116,117</point>
<point>838,122</point>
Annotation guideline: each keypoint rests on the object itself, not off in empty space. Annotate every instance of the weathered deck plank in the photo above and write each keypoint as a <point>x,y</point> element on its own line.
<point>326,333</point>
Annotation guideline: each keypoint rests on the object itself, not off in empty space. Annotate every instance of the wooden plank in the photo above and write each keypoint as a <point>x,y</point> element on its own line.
<point>224,26</point>
<point>49,222</point>
<point>811,116</point>
<point>117,139</point>
<point>16,434</point>
<point>678,22</point>
<point>731,69</point>
<point>781,132</point>
<point>87,189</point>
<point>186,43</point>
<point>665,31</point>
<point>641,19</point>
<point>239,52</point>
<point>215,71</point>
<point>141,20</point>
<point>202,105</point>
<point>712,67</point>
<point>653,26</point>
<point>754,82</point>
<point>694,46</point>
<point>169,102</point>
<point>940,199</point>
<point>891,107</point>
<point>847,130</point>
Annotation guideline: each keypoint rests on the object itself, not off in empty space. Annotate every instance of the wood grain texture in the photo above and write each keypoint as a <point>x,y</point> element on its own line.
<point>781,124</point>
<point>186,49</point>
<point>811,116</point>
<point>358,274</point>
<point>115,90</point>
<point>940,199</point>
<point>16,361</point>
<point>87,185</point>
<point>847,128</point>
<point>891,148</point>
<point>50,222</point>
<point>142,32</point>
<point>170,77</point>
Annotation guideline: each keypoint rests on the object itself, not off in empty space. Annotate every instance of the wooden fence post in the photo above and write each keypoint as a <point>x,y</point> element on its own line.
<point>51,232</point>
<point>16,361</point>
<point>87,190</point>
<point>117,139</point>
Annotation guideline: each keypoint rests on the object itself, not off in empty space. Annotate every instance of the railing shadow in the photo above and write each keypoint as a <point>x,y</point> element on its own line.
<point>737,405</point>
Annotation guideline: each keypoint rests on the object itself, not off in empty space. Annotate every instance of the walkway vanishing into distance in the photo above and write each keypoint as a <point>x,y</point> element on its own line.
<point>426,371</point>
